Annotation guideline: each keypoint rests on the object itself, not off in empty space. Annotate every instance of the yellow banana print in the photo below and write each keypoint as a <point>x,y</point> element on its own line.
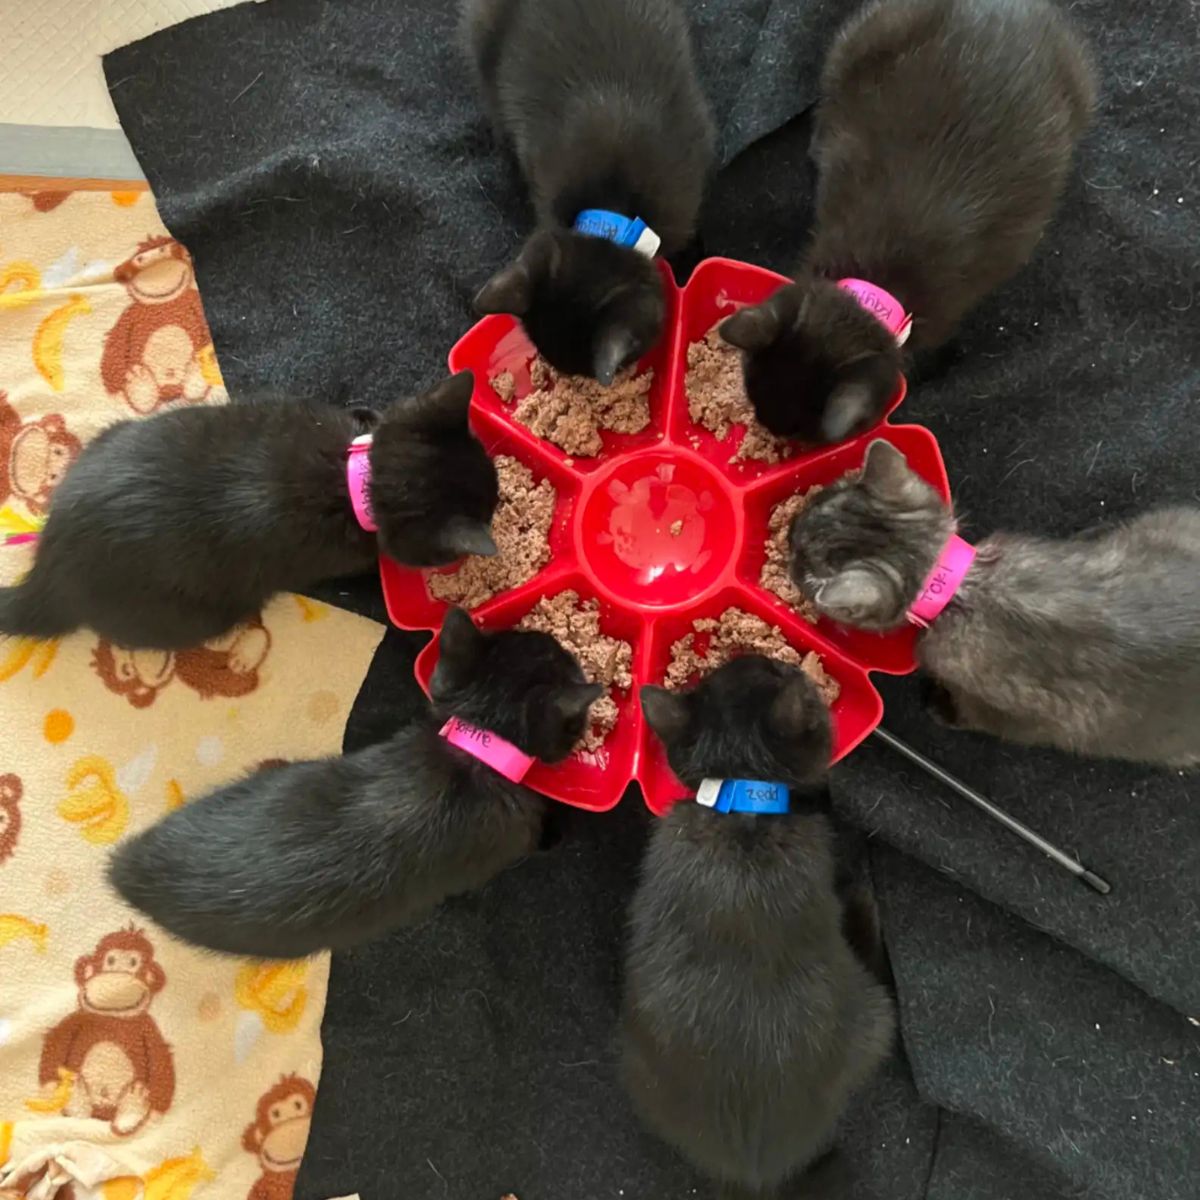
<point>125,200</point>
<point>25,274</point>
<point>6,1132</point>
<point>175,796</point>
<point>206,359</point>
<point>94,802</point>
<point>24,651</point>
<point>176,1178</point>
<point>48,341</point>
<point>58,1099</point>
<point>12,522</point>
<point>275,991</point>
<point>14,928</point>
<point>126,1187</point>
<point>311,610</point>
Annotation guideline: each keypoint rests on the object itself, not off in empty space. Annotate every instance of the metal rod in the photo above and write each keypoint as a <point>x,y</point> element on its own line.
<point>995,812</point>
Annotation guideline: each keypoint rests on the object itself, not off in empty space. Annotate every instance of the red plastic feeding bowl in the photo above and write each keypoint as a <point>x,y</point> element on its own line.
<point>617,536</point>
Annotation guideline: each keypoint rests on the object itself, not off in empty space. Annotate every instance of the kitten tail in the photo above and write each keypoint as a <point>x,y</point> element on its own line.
<point>24,612</point>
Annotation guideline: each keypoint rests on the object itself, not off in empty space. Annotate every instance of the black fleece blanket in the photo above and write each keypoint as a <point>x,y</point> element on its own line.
<point>328,165</point>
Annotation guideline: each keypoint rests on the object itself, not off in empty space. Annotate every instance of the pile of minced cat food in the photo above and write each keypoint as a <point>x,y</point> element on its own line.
<point>717,400</point>
<point>775,576</point>
<point>521,531</point>
<point>714,642</point>
<point>571,410</point>
<point>607,660</point>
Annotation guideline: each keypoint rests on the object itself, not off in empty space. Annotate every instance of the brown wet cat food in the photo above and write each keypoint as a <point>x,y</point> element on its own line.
<point>505,386</point>
<point>604,659</point>
<point>775,575</point>
<point>521,531</point>
<point>717,400</point>
<point>571,410</point>
<point>738,632</point>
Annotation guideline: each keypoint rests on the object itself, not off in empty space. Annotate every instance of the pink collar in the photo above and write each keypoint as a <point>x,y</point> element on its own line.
<point>944,580</point>
<point>882,305</point>
<point>489,748</point>
<point>358,481</point>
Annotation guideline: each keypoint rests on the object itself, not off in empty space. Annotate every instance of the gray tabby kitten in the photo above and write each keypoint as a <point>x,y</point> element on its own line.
<point>1089,643</point>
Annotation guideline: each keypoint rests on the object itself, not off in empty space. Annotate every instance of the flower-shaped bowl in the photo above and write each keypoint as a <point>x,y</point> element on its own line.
<point>663,527</point>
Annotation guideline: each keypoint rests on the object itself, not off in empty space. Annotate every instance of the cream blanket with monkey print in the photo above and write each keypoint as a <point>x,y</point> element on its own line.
<point>131,1066</point>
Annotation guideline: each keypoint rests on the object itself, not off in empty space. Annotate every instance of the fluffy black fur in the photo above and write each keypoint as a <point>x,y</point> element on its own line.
<point>601,106</point>
<point>171,530</point>
<point>748,1019</point>
<point>326,854</point>
<point>942,141</point>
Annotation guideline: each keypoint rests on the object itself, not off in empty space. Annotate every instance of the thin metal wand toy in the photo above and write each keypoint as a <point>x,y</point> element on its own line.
<point>995,812</point>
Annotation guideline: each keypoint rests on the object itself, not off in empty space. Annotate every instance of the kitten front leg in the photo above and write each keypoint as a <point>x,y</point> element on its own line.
<point>861,929</point>
<point>970,713</point>
<point>938,702</point>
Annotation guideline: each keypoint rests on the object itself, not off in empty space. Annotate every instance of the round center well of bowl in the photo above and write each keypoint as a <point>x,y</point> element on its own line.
<point>656,527</point>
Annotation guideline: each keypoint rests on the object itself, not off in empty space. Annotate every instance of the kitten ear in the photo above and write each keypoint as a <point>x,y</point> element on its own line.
<point>797,710</point>
<point>665,712</point>
<point>445,407</point>
<point>459,642</point>
<point>752,328</point>
<point>463,537</point>
<point>850,408</point>
<point>885,469</point>
<point>853,596</point>
<point>571,703</point>
<point>366,420</point>
<point>508,291</point>
<point>614,347</point>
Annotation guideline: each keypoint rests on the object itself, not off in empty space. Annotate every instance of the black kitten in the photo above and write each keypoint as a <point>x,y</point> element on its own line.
<point>171,530</point>
<point>942,140</point>
<point>602,108</point>
<point>748,1019</point>
<point>325,854</point>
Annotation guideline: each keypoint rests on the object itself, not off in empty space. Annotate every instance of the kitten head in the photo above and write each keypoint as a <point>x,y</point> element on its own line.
<point>863,547</point>
<point>590,307</point>
<point>753,718</point>
<point>433,487</point>
<point>519,684</point>
<point>818,367</point>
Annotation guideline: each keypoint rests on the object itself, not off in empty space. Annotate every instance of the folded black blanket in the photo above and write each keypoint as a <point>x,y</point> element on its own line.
<point>328,165</point>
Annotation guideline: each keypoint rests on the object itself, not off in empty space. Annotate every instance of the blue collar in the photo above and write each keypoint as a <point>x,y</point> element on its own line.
<point>743,796</point>
<point>624,231</point>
